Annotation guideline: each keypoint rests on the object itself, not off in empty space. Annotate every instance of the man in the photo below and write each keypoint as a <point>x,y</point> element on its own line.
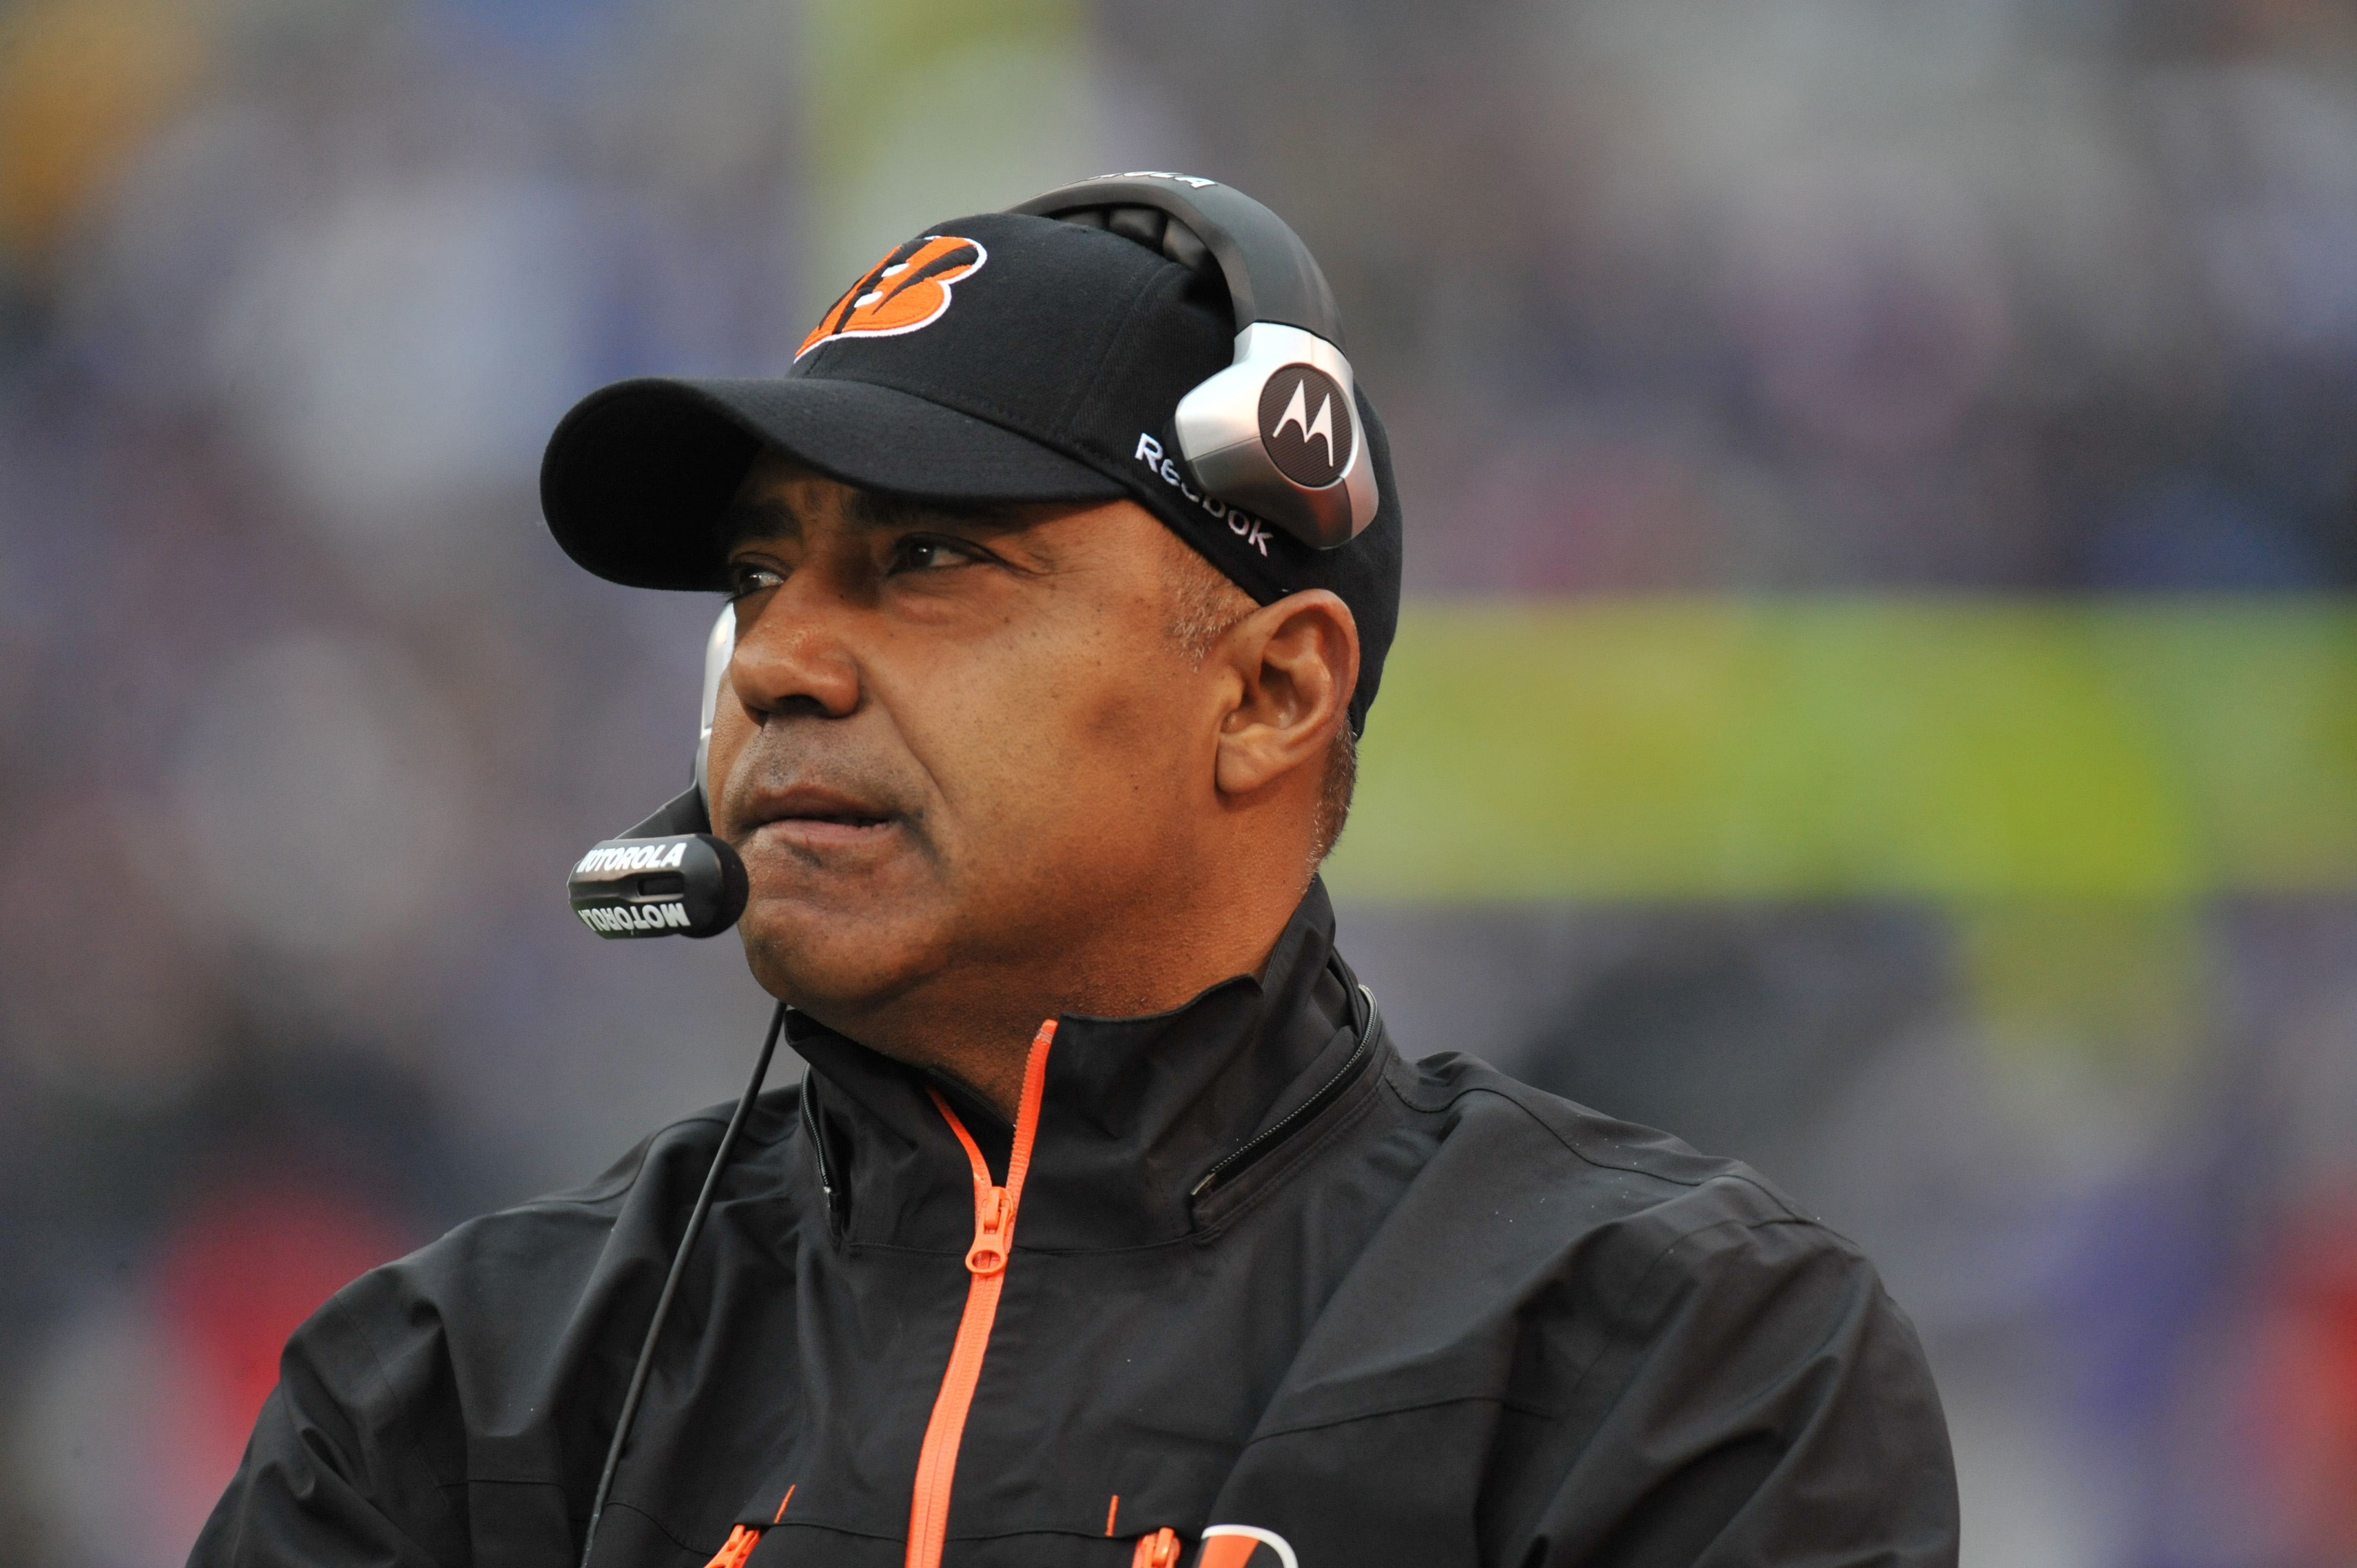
<point>1109,1226</point>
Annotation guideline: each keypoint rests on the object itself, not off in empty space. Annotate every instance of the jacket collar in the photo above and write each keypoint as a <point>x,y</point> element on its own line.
<point>1136,1110</point>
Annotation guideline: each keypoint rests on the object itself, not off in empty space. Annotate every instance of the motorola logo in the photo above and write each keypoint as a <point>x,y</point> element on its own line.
<point>1305,424</point>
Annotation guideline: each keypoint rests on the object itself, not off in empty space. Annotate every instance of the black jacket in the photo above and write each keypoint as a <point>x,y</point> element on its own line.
<point>1438,1318</point>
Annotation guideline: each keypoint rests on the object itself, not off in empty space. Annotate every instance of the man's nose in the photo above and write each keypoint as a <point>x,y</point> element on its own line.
<point>792,658</point>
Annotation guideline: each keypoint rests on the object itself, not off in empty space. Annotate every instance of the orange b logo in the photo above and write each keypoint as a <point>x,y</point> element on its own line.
<point>908,289</point>
<point>1244,1546</point>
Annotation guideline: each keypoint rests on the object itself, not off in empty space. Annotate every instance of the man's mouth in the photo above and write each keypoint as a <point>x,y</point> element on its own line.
<point>815,817</point>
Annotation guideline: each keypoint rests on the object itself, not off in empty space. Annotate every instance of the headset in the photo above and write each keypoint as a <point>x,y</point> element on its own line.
<point>1276,432</point>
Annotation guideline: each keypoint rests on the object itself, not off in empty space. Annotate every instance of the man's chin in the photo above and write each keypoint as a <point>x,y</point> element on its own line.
<point>836,957</point>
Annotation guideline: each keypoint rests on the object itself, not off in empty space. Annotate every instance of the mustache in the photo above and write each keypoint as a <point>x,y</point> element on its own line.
<point>783,774</point>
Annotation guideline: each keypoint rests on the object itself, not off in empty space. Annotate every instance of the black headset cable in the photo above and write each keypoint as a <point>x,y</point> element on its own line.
<point>671,1284</point>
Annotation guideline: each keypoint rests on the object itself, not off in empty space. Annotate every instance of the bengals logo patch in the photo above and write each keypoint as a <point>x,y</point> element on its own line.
<point>1244,1546</point>
<point>909,289</point>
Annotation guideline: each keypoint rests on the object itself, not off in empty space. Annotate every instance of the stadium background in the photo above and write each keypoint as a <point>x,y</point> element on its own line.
<point>1906,452</point>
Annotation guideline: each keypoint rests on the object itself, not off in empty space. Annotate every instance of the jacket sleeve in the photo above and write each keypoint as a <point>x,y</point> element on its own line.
<point>1766,1402</point>
<point>335,1474</point>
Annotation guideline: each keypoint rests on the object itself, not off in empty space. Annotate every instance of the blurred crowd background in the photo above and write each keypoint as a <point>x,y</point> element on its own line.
<point>1880,697</point>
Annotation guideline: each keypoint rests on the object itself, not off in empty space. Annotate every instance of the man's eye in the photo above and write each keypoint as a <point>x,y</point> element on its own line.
<point>932,553</point>
<point>745,581</point>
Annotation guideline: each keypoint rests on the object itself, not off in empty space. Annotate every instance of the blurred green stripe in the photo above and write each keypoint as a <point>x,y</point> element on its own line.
<point>1939,747</point>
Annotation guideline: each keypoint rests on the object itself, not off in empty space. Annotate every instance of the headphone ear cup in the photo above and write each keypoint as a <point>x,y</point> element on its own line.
<point>1248,432</point>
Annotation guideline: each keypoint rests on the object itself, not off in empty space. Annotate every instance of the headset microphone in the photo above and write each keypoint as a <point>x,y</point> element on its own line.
<point>669,877</point>
<point>663,878</point>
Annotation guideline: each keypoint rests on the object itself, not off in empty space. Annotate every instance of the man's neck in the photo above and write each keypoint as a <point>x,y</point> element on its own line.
<point>974,1024</point>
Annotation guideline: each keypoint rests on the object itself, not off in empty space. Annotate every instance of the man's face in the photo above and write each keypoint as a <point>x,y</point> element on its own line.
<point>949,749</point>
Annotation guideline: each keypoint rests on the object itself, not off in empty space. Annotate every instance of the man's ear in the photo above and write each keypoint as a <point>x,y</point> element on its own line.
<point>1298,661</point>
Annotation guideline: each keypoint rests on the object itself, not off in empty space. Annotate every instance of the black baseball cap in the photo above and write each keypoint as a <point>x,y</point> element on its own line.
<point>997,358</point>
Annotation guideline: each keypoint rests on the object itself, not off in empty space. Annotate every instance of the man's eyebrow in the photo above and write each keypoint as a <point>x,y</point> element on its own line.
<point>747,521</point>
<point>765,517</point>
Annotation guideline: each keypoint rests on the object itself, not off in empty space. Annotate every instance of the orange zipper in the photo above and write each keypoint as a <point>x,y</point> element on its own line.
<point>738,1547</point>
<point>985,1261</point>
<point>1158,1550</point>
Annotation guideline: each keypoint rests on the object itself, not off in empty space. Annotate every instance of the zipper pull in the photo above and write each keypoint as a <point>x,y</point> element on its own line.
<point>1159,1550</point>
<point>738,1547</point>
<point>987,1256</point>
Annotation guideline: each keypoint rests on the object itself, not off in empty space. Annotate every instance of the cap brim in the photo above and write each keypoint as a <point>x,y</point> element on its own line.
<point>638,475</point>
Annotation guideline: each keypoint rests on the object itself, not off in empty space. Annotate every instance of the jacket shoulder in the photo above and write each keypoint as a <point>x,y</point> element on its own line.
<point>1541,1248</point>
<point>1557,1218</point>
<point>483,1325</point>
<point>1491,1123</point>
<point>482,1356</point>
